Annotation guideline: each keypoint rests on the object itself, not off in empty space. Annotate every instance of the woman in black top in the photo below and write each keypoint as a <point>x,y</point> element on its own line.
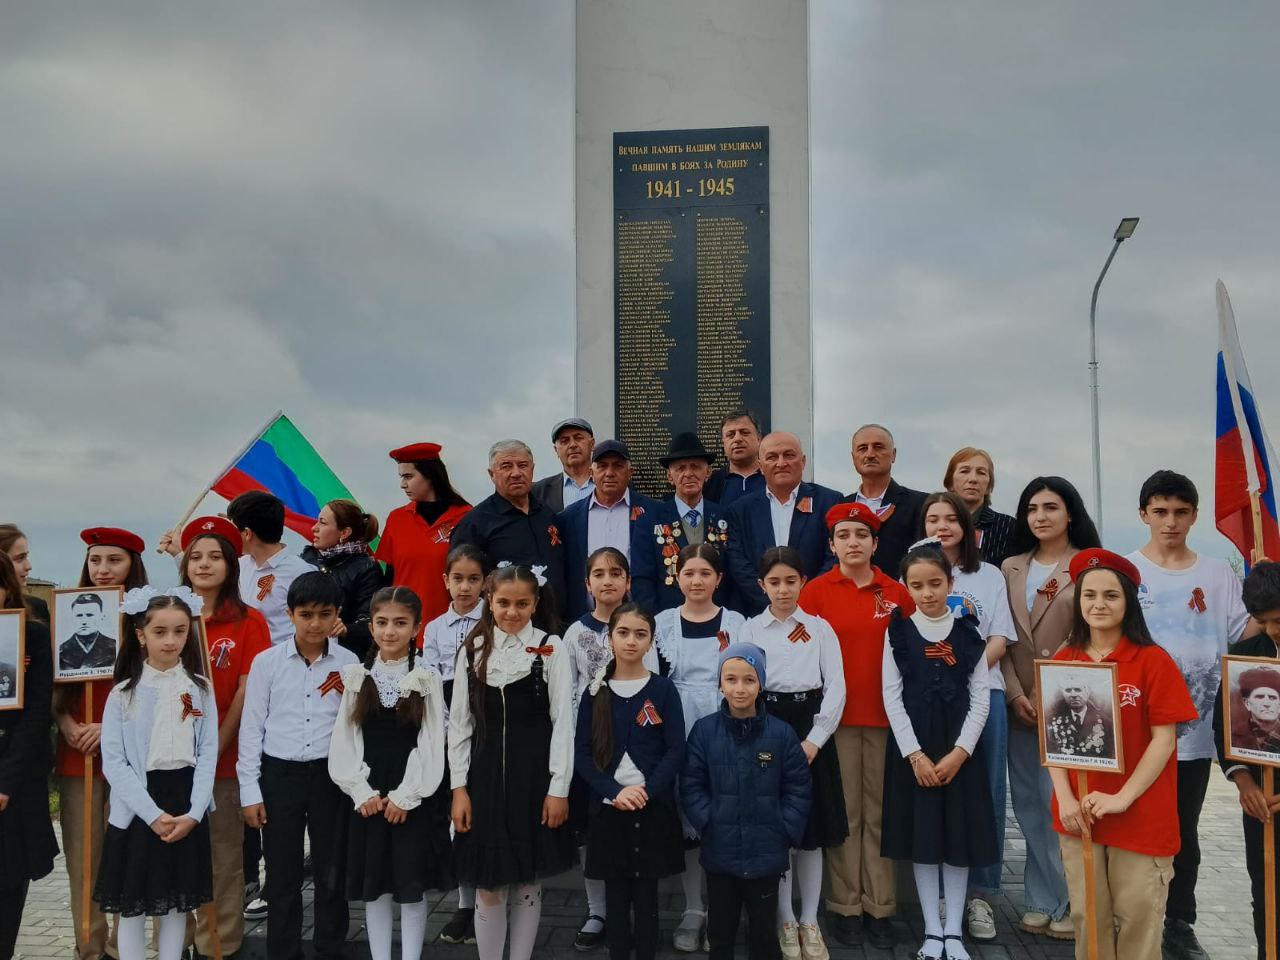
<point>340,547</point>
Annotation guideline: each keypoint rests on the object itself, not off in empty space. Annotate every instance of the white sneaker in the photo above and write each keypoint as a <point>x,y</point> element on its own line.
<point>815,948</point>
<point>789,940</point>
<point>689,935</point>
<point>981,921</point>
<point>1062,928</point>
<point>1033,921</point>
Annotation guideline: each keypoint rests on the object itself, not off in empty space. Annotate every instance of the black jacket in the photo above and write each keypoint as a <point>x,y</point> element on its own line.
<point>549,491</point>
<point>359,576</point>
<point>899,527</point>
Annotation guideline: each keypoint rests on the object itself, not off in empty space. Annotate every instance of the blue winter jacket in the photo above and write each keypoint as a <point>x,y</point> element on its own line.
<point>745,787</point>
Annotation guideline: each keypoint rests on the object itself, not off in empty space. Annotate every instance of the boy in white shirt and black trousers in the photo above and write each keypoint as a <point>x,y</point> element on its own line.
<point>291,702</point>
<point>1193,607</point>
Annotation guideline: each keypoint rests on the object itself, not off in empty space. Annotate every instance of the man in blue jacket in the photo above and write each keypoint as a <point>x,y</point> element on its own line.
<point>613,515</point>
<point>788,512</point>
<point>746,789</point>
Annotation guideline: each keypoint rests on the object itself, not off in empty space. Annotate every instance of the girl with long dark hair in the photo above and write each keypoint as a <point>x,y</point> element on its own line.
<point>387,755</point>
<point>1051,527</point>
<point>340,547</point>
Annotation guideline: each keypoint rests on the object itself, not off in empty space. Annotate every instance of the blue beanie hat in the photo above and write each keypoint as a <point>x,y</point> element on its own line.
<point>748,652</point>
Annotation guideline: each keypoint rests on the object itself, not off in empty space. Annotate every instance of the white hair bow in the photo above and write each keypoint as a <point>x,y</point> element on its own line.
<point>139,598</point>
<point>539,572</point>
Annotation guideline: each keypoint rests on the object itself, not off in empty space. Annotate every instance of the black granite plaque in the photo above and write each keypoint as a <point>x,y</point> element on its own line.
<point>691,286</point>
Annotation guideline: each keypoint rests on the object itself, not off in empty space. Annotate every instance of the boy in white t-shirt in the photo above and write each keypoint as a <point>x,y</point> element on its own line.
<point>1193,607</point>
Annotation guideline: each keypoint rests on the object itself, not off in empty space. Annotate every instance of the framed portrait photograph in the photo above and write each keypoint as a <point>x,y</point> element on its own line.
<point>1078,708</point>
<point>1251,710</point>
<point>13,653</point>
<point>86,629</point>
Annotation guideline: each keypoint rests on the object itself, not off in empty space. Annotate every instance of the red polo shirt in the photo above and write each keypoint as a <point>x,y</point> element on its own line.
<point>233,643</point>
<point>70,761</point>
<point>416,551</point>
<point>859,616</point>
<point>1152,694</point>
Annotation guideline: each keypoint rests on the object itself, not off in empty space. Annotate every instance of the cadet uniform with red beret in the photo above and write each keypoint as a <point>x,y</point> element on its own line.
<point>415,540</point>
<point>1133,847</point>
<point>857,600</point>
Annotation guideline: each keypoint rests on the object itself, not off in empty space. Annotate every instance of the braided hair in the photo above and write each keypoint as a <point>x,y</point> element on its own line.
<point>410,709</point>
<point>601,708</point>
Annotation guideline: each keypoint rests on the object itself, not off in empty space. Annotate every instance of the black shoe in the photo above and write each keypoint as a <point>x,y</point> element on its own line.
<point>461,927</point>
<point>1180,942</point>
<point>880,932</point>
<point>845,930</point>
<point>589,941</point>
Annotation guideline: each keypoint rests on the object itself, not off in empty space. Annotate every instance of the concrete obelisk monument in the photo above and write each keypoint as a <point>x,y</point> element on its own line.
<point>692,202</point>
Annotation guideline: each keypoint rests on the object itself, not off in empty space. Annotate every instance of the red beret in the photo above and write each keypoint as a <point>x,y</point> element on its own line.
<point>112,537</point>
<point>219,525</point>
<point>1098,558</point>
<point>416,452</point>
<point>857,512</point>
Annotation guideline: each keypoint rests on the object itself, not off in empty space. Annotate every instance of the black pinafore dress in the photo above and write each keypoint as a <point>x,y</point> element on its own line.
<point>952,824</point>
<point>404,859</point>
<point>507,782</point>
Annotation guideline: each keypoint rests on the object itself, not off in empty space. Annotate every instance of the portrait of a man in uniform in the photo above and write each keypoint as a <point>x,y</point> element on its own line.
<point>1078,716</point>
<point>1255,710</point>
<point>86,630</point>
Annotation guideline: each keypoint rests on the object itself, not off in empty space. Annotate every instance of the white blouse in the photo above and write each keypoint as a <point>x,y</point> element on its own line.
<point>510,660</point>
<point>173,739</point>
<point>934,630</point>
<point>802,653</point>
<point>425,766</point>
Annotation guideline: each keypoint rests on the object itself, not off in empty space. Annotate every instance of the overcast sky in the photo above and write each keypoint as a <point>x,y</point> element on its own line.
<point>363,214</point>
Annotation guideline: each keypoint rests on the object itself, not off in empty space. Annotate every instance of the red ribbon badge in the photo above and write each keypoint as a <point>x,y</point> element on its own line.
<point>805,505</point>
<point>636,513</point>
<point>264,586</point>
<point>799,634</point>
<point>1196,602</point>
<point>1049,589</point>
<point>544,651</point>
<point>554,534</point>
<point>648,715</point>
<point>941,651</point>
<point>188,708</point>
<point>723,637</point>
<point>332,682</point>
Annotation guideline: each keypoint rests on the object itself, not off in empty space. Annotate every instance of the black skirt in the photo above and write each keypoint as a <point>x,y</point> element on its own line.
<point>828,824</point>
<point>27,842</point>
<point>952,824</point>
<point>404,859</point>
<point>624,844</point>
<point>507,783</point>
<point>140,873</point>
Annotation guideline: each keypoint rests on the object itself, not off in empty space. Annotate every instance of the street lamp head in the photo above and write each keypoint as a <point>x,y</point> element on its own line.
<point>1126,228</point>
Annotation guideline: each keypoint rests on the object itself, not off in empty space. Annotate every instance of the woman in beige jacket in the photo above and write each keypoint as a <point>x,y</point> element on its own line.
<point>1051,526</point>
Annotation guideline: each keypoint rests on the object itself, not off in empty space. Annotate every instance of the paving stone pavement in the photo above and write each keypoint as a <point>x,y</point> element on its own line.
<point>1224,925</point>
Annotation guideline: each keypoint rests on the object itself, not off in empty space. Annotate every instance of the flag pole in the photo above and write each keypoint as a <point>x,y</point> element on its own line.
<point>195,504</point>
<point>1255,504</point>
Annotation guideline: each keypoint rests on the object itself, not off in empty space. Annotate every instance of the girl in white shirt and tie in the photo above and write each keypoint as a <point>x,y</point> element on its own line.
<point>806,689</point>
<point>159,751</point>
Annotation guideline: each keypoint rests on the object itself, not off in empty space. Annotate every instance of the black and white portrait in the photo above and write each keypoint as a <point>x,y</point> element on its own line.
<point>12,655</point>
<point>86,632</point>
<point>1252,705</point>
<point>1078,707</point>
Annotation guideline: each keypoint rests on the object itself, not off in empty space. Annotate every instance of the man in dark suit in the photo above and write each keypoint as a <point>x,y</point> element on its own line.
<point>88,648</point>
<point>897,506</point>
<point>573,440</point>
<point>787,512</point>
<point>1077,727</point>
<point>612,516</point>
<point>687,518</point>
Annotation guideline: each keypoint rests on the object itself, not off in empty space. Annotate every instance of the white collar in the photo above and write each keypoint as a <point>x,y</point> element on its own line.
<point>771,619</point>
<point>524,638</point>
<point>151,677</point>
<point>452,616</point>
<point>791,498</point>
<point>624,502</point>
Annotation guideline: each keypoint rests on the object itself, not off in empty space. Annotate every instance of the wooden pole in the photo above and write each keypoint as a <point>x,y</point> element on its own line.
<point>211,918</point>
<point>1090,887</point>
<point>87,864</point>
<point>1269,863</point>
<point>1255,502</point>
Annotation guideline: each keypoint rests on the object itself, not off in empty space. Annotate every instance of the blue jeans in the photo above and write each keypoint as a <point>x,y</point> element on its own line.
<point>1044,883</point>
<point>995,749</point>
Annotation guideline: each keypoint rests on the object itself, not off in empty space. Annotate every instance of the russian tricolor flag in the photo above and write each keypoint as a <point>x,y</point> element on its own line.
<point>1244,456</point>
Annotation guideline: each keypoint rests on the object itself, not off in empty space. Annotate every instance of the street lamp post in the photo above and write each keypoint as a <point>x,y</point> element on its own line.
<point>1123,233</point>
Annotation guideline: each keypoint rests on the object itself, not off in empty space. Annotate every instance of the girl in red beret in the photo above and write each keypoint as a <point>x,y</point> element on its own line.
<point>113,558</point>
<point>1132,817</point>
<point>415,540</point>
<point>237,633</point>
